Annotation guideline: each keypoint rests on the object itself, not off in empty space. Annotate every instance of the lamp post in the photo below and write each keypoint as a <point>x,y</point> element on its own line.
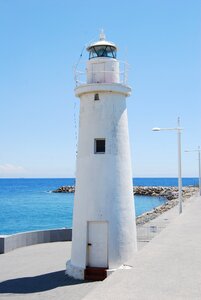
<point>178,129</point>
<point>199,167</point>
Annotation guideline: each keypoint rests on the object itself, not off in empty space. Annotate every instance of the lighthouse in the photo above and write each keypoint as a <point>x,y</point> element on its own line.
<point>104,229</point>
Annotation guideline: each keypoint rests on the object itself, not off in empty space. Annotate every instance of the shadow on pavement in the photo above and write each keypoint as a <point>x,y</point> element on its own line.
<point>38,283</point>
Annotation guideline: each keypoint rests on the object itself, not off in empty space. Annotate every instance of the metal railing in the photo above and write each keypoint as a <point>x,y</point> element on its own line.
<point>80,77</point>
<point>145,233</point>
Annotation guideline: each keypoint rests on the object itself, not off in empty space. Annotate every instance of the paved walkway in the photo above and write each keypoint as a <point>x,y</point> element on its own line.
<point>38,273</point>
<point>167,268</point>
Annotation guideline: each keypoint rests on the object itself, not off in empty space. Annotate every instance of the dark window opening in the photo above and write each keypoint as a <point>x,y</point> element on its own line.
<point>96,97</point>
<point>99,145</point>
<point>102,51</point>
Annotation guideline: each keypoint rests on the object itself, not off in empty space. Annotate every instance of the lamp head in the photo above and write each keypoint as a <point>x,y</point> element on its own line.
<point>156,129</point>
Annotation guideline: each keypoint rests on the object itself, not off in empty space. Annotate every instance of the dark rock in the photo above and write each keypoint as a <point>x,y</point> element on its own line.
<point>65,189</point>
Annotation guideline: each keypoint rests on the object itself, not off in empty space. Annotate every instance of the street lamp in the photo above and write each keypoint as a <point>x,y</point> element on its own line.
<point>199,167</point>
<point>178,129</point>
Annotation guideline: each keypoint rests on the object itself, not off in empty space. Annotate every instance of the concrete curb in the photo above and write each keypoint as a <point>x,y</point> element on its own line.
<point>12,242</point>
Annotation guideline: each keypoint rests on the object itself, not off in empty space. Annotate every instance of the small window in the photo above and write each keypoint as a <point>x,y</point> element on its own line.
<point>96,97</point>
<point>99,146</point>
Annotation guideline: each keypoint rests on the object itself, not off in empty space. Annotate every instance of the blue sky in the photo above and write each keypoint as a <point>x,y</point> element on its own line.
<point>40,43</point>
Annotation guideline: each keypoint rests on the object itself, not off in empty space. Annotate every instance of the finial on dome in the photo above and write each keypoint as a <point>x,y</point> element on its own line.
<point>102,35</point>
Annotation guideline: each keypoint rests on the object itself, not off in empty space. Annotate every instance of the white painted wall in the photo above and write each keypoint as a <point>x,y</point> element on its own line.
<point>103,70</point>
<point>104,181</point>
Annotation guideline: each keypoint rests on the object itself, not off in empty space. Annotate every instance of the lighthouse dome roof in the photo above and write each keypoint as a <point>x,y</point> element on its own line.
<point>102,48</point>
<point>102,42</point>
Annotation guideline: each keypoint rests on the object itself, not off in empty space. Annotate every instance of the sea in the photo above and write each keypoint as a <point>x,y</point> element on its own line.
<point>29,204</point>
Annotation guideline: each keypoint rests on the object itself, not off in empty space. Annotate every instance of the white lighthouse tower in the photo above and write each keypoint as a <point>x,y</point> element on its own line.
<point>104,230</point>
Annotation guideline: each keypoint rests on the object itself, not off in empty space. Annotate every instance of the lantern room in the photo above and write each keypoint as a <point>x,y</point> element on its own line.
<point>102,66</point>
<point>102,48</point>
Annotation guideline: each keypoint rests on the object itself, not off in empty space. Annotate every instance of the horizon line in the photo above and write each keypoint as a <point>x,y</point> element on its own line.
<point>140,177</point>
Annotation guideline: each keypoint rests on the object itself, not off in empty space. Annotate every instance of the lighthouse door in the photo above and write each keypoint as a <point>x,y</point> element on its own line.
<point>97,244</point>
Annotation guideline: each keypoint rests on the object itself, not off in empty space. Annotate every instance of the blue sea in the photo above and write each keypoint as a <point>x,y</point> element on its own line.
<point>28,204</point>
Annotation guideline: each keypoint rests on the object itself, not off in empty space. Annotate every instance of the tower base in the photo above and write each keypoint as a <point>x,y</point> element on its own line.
<point>82,273</point>
<point>95,274</point>
<point>74,271</point>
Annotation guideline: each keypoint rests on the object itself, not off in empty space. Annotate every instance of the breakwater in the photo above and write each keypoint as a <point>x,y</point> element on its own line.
<point>65,189</point>
<point>169,193</point>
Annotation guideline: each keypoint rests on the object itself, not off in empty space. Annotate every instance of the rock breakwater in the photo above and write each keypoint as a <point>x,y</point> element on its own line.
<point>158,191</point>
<point>170,193</point>
<point>65,189</point>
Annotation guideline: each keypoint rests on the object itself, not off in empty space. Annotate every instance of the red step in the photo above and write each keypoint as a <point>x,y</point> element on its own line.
<point>95,274</point>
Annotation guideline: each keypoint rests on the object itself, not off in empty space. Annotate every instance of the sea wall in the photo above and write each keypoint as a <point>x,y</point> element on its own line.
<point>14,241</point>
<point>169,193</point>
<point>65,189</point>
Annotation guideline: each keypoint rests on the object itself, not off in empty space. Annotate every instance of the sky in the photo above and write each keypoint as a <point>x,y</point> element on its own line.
<point>41,42</point>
